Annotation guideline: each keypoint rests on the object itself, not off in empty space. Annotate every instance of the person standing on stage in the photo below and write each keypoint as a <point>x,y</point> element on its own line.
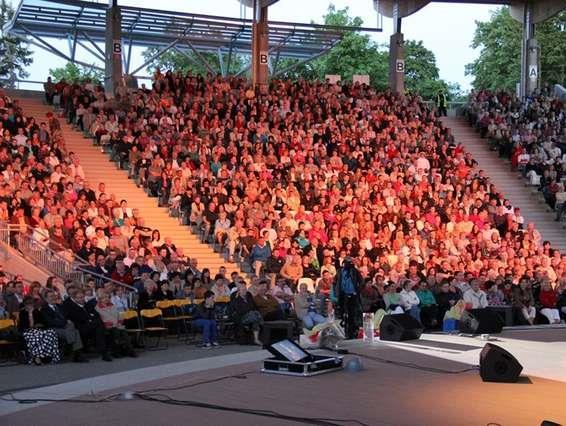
<point>347,289</point>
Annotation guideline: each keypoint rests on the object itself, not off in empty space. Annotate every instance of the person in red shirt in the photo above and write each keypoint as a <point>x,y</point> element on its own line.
<point>547,299</point>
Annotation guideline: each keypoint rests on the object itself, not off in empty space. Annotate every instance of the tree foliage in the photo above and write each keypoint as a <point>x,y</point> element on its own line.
<point>499,63</point>
<point>14,53</point>
<point>421,71</point>
<point>76,73</point>
<point>188,61</point>
<point>356,53</point>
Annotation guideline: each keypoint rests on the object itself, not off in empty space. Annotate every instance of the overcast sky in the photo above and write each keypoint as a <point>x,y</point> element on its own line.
<point>446,29</point>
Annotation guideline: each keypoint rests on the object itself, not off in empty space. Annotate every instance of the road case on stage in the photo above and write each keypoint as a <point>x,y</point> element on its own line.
<point>292,360</point>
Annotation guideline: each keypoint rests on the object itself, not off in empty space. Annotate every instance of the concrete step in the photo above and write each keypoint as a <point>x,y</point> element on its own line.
<point>511,183</point>
<point>99,168</point>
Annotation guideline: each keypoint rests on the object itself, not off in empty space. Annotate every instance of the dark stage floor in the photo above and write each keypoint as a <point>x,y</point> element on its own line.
<point>382,394</point>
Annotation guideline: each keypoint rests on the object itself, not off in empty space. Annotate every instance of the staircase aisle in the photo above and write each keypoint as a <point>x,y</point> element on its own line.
<point>98,168</point>
<point>510,183</point>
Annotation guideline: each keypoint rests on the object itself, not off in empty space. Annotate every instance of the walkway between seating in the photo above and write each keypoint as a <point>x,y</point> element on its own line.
<point>98,168</point>
<point>510,183</point>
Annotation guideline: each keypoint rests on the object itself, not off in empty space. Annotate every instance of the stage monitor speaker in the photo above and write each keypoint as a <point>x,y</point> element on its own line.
<point>498,365</point>
<point>480,321</point>
<point>399,327</point>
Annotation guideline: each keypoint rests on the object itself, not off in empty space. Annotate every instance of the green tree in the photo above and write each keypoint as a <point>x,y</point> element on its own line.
<point>14,53</point>
<point>421,71</point>
<point>356,53</point>
<point>499,63</point>
<point>76,73</point>
<point>189,62</point>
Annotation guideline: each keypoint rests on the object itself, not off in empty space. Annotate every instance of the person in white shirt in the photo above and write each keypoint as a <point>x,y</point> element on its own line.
<point>409,300</point>
<point>475,297</point>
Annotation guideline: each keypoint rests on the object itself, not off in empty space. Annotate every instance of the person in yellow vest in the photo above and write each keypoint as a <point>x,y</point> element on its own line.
<point>441,103</point>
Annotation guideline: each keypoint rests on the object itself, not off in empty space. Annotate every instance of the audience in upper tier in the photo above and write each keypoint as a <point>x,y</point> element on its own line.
<point>289,183</point>
<point>531,133</point>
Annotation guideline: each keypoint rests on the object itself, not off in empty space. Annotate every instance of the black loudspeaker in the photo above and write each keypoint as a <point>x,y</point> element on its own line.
<point>480,321</point>
<point>399,327</point>
<point>498,365</point>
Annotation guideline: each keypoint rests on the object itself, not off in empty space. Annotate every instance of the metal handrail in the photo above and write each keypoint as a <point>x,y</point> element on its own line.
<point>47,258</point>
<point>18,228</point>
<point>104,278</point>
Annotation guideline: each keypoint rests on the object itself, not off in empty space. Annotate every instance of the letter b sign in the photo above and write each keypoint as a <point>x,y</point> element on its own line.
<point>117,47</point>
<point>263,58</point>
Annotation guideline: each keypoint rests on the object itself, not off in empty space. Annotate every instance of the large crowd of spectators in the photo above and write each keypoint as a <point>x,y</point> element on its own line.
<point>290,183</point>
<point>531,133</point>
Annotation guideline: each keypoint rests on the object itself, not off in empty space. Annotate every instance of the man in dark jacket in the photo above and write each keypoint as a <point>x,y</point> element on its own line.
<point>86,320</point>
<point>348,286</point>
<point>53,316</point>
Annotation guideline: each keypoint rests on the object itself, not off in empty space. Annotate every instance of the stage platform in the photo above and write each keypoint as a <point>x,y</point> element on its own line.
<point>386,392</point>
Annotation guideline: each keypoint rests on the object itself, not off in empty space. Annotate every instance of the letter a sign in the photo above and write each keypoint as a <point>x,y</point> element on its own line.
<point>533,72</point>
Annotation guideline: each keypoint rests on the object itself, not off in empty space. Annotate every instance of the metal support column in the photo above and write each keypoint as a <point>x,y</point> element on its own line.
<point>113,54</point>
<point>530,54</point>
<point>397,55</point>
<point>260,48</point>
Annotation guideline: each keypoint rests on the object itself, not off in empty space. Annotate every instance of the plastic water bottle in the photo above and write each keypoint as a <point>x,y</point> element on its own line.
<point>368,328</point>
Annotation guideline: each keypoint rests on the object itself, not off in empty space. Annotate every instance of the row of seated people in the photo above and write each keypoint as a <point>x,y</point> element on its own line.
<point>295,180</point>
<point>429,300</point>
<point>531,133</point>
<point>38,310</point>
<point>44,196</point>
<point>50,326</point>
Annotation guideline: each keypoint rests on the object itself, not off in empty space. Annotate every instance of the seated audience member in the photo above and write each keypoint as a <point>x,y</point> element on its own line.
<point>41,343</point>
<point>244,312</point>
<point>561,300</point>
<point>475,297</point>
<point>446,298</point>
<point>87,321</point>
<point>283,294</point>
<point>495,297</point>
<point>372,299</point>
<point>120,299</point>
<point>220,288</point>
<point>409,300</point>
<point>292,270</point>
<point>53,316</point>
<point>392,300</point>
<point>266,304</point>
<point>205,319</point>
<point>429,308</point>
<point>548,301</point>
<point>309,307</point>
<point>324,284</point>
<point>163,292</point>
<point>261,251</point>
<point>119,338</point>
<point>524,301</point>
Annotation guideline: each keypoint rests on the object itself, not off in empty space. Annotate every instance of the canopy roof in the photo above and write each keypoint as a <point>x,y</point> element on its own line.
<point>149,27</point>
